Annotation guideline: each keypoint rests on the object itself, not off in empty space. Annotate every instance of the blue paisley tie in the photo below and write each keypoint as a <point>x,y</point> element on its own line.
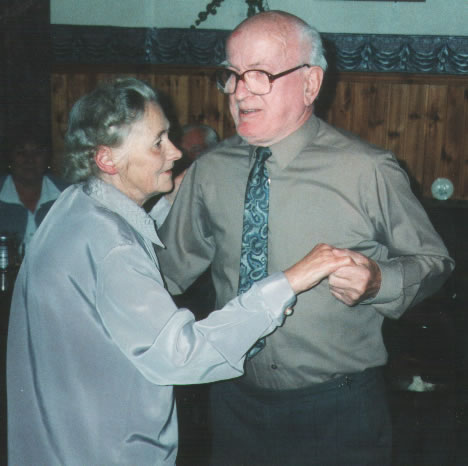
<point>254,250</point>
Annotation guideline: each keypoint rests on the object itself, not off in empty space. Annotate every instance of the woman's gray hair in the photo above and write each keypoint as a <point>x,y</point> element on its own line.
<point>102,118</point>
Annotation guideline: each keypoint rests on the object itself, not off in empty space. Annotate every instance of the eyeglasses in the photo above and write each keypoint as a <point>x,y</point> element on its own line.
<point>258,82</point>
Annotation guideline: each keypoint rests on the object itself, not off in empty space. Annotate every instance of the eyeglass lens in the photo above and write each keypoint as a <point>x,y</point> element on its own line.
<point>256,81</point>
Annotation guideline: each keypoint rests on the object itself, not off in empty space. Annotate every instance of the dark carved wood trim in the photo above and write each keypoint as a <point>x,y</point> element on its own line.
<point>345,52</point>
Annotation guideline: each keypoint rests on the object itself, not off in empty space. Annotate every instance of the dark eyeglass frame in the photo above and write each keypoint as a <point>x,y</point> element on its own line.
<point>240,77</point>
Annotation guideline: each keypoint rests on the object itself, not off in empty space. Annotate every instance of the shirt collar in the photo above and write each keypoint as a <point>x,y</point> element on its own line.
<point>117,202</point>
<point>8,193</point>
<point>286,150</point>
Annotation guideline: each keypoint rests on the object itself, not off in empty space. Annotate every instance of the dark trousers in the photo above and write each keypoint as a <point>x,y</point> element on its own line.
<point>343,422</point>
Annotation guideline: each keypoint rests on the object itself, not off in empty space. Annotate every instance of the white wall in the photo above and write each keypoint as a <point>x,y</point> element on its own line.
<point>433,17</point>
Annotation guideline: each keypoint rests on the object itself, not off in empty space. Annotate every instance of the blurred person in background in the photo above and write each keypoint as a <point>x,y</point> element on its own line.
<point>29,190</point>
<point>197,139</point>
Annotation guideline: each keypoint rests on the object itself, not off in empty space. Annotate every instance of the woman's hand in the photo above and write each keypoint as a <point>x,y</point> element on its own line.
<point>322,261</point>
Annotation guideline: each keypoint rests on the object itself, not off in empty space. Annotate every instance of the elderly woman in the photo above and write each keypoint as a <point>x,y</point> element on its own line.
<point>95,341</point>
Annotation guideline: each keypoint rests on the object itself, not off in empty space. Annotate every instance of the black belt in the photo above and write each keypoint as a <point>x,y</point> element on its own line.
<point>348,381</point>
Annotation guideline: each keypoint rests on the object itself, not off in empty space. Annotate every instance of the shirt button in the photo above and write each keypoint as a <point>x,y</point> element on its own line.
<point>274,366</point>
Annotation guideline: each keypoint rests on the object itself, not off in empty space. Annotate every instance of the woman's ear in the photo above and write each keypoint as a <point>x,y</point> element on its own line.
<point>105,161</point>
<point>313,83</point>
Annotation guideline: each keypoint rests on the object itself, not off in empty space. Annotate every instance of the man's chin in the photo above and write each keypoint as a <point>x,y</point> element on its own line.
<point>252,139</point>
<point>248,133</point>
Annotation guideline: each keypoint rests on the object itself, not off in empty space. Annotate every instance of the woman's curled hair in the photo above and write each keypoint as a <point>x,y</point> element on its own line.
<point>102,118</point>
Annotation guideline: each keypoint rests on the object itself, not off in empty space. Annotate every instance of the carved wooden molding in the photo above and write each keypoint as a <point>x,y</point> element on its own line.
<point>345,52</point>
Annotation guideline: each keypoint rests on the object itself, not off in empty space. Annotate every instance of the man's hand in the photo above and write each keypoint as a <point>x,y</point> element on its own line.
<point>356,282</point>
<point>317,265</point>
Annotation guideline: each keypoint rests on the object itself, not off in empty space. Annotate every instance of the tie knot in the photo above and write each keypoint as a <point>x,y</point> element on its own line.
<point>262,153</point>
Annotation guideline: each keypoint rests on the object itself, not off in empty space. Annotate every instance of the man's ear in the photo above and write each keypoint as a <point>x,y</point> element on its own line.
<point>105,161</point>
<point>313,83</point>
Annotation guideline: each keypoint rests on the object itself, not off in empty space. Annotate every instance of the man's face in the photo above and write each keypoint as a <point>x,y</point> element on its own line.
<point>266,119</point>
<point>145,159</point>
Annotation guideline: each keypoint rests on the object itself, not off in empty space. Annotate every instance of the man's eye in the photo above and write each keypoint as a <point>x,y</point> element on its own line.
<point>158,143</point>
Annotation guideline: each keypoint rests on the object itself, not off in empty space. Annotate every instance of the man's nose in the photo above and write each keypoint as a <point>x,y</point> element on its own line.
<point>241,90</point>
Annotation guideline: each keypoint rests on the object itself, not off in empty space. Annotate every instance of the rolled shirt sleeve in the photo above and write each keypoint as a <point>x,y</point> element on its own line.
<point>416,262</point>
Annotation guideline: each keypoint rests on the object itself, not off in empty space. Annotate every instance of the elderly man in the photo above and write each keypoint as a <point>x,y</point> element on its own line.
<point>313,392</point>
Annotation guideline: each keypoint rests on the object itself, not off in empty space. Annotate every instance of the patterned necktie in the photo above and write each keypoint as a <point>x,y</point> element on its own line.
<point>254,250</point>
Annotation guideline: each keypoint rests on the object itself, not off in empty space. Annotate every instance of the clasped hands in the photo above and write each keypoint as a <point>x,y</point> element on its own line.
<point>352,277</point>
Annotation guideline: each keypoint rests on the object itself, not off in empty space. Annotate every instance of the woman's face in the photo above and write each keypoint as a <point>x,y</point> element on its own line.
<point>28,163</point>
<point>145,159</point>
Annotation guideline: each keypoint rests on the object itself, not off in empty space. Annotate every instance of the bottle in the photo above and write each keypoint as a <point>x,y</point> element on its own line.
<point>8,269</point>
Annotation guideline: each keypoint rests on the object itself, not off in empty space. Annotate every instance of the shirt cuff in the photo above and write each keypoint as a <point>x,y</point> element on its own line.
<point>391,287</point>
<point>275,290</point>
<point>160,211</point>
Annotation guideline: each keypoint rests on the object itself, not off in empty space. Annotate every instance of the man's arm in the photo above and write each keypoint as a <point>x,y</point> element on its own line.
<point>192,246</point>
<point>418,262</point>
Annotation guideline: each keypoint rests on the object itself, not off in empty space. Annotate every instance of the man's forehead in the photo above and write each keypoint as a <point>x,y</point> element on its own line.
<point>280,34</point>
<point>269,48</point>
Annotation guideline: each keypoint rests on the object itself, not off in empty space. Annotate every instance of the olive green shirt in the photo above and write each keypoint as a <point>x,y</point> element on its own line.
<point>326,186</point>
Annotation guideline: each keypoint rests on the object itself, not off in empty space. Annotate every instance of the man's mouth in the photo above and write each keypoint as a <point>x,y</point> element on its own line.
<point>247,111</point>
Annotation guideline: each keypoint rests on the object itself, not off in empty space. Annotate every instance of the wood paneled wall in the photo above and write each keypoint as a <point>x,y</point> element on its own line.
<point>423,119</point>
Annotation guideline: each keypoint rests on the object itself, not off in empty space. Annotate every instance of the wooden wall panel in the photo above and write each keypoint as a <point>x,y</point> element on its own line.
<point>435,162</point>
<point>454,134</point>
<point>397,120</point>
<point>340,111</point>
<point>422,119</point>
<point>413,129</point>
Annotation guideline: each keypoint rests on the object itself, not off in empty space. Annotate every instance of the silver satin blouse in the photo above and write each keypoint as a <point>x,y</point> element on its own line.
<point>95,342</point>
